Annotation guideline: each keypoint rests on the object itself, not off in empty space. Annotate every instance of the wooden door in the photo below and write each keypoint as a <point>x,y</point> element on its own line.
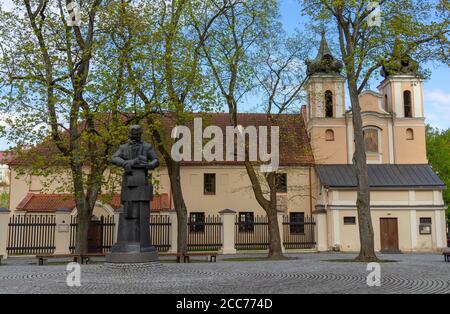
<point>389,234</point>
<point>95,237</point>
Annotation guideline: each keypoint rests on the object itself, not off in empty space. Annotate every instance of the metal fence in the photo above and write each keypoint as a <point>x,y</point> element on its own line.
<point>299,234</point>
<point>100,234</point>
<point>205,235</point>
<point>252,235</point>
<point>31,234</point>
<point>160,228</point>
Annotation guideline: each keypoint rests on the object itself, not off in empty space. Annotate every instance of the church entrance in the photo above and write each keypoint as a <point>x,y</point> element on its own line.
<point>389,235</point>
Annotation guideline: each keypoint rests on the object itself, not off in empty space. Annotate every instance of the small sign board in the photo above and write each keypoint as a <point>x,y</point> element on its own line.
<point>63,228</point>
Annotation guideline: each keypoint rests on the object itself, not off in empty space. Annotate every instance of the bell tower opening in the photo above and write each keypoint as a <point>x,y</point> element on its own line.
<point>328,104</point>
<point>407,107</point>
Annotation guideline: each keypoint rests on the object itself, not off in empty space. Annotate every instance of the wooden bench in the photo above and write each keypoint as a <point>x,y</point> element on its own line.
<point>86,258</point>
<point>212,256</point>
<point>446,256</point>
<point>42,258</point>
<point>77,258</point>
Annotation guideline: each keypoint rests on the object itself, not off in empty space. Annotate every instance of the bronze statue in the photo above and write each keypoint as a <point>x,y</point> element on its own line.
<point>133,239</point>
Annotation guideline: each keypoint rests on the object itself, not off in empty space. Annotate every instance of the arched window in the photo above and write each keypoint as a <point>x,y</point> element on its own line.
<point>329,135</point>
<point>409,134</point>
<point>328,104</point>
<point>371,140</point>
<point>407,104</point>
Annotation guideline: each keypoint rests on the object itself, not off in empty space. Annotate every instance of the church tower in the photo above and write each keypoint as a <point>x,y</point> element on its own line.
<point>325,112</point>
<point>402,98</point>
<point>402,87</point>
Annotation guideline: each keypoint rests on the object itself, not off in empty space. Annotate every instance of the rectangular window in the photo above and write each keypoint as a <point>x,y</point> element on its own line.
<point>281,182</point>
<point>349,220</point>
<point>197,222</point>
<point>425,225</point>
<point>297,223</point>
<point>246,220</point>
<point>209,183</point>
<point>425,220</point>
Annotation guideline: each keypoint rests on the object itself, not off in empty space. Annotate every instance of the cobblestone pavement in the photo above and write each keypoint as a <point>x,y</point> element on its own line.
<point>308,273</point>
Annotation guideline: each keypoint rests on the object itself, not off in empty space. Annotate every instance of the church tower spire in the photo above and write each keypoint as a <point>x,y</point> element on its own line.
<point>326,105</point>
<point>324,61</point>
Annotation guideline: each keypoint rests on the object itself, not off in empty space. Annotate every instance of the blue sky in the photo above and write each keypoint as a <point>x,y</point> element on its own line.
<point>436,89</point>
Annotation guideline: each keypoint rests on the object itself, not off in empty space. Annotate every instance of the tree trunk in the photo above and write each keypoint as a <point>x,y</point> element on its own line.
<point>270,207</point>
<point>275,252</point>
<point>83,222</point>
<point>180,206</point>
<point>366,235</point>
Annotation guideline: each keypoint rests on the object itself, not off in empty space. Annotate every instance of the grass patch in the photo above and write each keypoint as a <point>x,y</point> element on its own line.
<point>381,261</point>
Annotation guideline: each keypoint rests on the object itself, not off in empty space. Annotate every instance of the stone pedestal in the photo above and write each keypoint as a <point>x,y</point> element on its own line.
<point>133,252</point>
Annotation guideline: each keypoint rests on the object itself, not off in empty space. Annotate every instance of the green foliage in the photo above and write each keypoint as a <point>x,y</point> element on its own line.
<point>438,151</point>
<point>410,28</point>
<point>4,200</point>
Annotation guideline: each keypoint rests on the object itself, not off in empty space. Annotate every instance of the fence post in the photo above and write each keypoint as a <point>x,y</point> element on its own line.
<point>173,232</point>
<point>280,216</point>
<point>228,237</point>
<point>4,221</point>
<point>320,217</point>
<point>62,232</point>
<point>116,226</point>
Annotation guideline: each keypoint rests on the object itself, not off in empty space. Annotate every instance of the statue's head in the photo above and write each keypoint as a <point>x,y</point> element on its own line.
<point>135,133</point>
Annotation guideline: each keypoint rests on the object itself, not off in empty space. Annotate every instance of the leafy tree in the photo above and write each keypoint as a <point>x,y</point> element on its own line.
<point>162,53</point>
<point>417,29</point>
<point>4,200</point>
<point>62,87</point>
<point>438,151</point>
<point>247,51</point>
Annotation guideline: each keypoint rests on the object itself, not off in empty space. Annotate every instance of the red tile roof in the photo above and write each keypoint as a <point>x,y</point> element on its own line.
<point>4,158</point>
<point>49,203</point>
<point>295,149</point>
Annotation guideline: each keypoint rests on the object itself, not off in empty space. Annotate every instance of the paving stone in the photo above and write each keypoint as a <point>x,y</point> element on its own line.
<point>308,273</point>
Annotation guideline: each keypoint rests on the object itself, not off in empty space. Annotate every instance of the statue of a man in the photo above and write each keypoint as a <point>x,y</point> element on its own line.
<point>133,242</point>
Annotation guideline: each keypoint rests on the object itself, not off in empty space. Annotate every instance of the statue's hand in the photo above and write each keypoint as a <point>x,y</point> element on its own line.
<point>152,165</point>
<point>129,166</point>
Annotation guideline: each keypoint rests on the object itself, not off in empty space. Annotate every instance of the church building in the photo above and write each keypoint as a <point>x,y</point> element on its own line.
<point>316,177</point>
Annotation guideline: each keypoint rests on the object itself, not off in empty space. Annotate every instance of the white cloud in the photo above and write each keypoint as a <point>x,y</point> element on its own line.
<point>437,108</point>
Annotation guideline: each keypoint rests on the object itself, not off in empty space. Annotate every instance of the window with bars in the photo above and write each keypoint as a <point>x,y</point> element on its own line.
<point>209,184</point>
<point>425,225</point>
<point>281,182</point>
<point>297,223</point>
<point>197,222</point>
<point>246,220</point>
